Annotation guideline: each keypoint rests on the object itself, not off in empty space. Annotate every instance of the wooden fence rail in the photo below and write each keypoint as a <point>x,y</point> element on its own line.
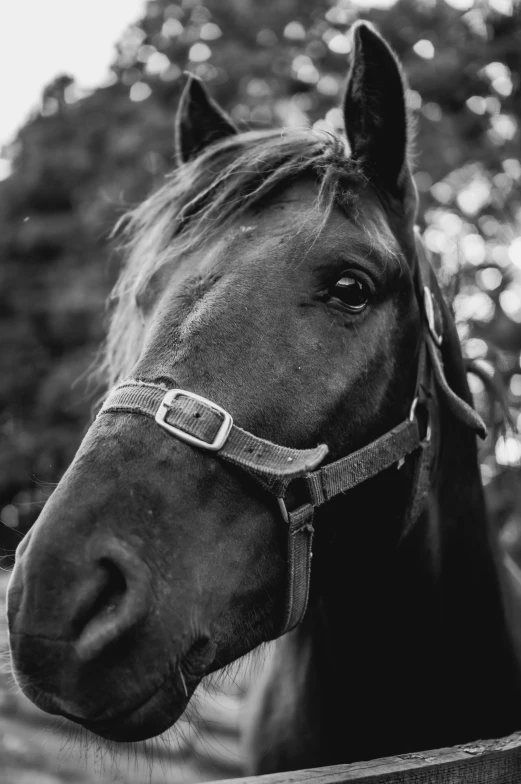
<point>483,762</point>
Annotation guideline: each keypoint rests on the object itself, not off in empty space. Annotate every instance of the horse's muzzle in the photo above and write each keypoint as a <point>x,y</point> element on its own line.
<point>162,708</point>
<point>102,599</point>
<point>67,635</point>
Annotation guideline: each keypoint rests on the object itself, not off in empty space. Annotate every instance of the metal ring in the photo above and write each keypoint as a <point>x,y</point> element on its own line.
<point>412,415</point>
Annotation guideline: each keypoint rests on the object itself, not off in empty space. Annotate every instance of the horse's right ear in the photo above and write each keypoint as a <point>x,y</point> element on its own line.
<point>374,110</point>
<point>199,121</point>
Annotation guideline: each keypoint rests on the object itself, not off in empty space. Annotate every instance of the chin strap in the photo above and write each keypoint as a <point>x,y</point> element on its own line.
<point>208,427</point>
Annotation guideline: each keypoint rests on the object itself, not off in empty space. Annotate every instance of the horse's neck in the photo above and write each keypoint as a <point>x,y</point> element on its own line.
<point>410,640</point>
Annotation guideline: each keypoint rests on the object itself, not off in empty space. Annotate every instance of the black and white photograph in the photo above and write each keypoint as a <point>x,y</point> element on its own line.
<point>260,392</point>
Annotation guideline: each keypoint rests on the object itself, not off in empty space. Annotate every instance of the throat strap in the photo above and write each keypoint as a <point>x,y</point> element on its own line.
<point>324,484</point>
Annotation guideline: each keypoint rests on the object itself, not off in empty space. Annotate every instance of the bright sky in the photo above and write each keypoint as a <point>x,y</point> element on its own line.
<point>42,38</point>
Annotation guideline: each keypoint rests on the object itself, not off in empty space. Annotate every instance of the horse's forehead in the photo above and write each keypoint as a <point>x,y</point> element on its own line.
<point>296,216</point>
<point>293,220</point>
<point>293,209</point>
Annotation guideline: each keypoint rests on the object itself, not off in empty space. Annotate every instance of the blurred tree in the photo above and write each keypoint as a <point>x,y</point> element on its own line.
<point>83,159</point>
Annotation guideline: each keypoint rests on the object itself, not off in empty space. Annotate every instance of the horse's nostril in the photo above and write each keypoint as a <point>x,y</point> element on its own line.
<point>101,598</point>
<point>115,600</point>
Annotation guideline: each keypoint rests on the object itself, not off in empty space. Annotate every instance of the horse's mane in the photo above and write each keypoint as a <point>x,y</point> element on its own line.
<point>201,198</point>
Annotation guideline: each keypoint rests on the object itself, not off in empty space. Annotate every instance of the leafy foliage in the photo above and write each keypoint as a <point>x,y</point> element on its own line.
<point>83,159</point>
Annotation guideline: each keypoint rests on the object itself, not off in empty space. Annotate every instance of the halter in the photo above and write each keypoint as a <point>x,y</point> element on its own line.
<point>206,426</point>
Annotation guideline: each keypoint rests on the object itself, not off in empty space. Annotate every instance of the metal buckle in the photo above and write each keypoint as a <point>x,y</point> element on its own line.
<point>412,415</point>
<point>223,433</point>
<point>429,312</point>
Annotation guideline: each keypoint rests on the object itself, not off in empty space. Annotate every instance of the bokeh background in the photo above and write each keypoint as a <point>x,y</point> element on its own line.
<point>84,157</point>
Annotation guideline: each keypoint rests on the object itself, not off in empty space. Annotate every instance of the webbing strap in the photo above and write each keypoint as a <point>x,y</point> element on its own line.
<point>420,484</point>
<point>264,459</point>
<point>300,542</point>
<point>370,460</point>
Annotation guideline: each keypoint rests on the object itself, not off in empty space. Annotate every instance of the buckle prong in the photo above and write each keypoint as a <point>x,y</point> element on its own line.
<point>222,434</point>
<point>283,509</point>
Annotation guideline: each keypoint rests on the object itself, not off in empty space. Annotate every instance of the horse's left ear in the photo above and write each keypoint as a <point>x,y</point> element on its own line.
<point>374,110</point>
<point>199,121</point>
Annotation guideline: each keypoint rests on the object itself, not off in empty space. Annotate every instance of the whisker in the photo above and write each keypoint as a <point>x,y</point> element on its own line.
<point>180,671</point>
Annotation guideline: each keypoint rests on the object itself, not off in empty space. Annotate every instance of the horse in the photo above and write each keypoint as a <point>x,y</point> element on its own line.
<point>287,450</point>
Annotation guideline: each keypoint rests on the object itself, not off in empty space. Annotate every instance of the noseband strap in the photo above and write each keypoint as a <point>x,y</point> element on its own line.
<point>208,427</point>
<point>199,422</point>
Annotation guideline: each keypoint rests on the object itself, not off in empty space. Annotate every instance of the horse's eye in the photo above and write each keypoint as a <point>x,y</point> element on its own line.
<point>354,293</point>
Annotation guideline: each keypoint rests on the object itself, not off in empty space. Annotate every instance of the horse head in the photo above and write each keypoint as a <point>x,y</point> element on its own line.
<point>272,280</point>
